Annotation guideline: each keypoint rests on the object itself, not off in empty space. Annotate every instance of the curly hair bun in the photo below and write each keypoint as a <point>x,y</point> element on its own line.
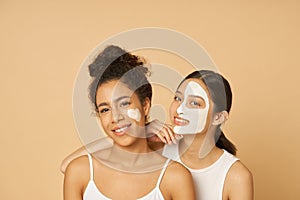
<point>114,56</point>
<point>109,55</point>
<point>114,63</point>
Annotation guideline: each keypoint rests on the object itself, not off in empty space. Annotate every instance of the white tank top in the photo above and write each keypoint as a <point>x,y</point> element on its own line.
<point>92,193</point>
<point>209,181</point>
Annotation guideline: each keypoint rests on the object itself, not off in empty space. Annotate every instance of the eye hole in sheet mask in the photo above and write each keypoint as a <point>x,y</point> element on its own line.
<point>192,118</point>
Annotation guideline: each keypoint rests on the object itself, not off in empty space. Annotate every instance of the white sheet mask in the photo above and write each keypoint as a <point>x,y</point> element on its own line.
<point>195,116</point>
<point>134,114</point>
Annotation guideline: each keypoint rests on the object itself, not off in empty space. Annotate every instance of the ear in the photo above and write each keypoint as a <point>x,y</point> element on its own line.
<point>147,106</point>
<point>220,118</point>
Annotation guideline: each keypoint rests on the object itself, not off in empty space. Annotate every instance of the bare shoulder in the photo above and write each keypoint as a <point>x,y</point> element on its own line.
<point>177,174</point>
<point>177,170</point>
<point>81,162</point>
<point>239,182</point>
<point>76,178</point>
<point>79,169</point>
<point>175,179</point>
<point>239,173</point>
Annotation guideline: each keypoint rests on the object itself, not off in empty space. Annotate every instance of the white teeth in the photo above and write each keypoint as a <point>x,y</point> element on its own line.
<point>121,129</point>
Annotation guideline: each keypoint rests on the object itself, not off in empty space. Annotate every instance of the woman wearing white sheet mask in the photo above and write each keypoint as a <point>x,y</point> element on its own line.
<point>201,105</point>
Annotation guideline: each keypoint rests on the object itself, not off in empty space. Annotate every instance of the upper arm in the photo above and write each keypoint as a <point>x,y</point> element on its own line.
<point>239,182</point>
<point>75,177</point>
<point>180,182</point>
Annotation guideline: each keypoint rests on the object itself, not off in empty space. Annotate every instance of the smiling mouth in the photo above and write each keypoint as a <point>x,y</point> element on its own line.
<point>120,130</point>
<point>178,121</point>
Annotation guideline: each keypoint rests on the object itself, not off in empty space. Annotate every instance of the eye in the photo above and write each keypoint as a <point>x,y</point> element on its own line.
<point>125,104</point>
<point>195,103</point>
<point>103,110</point>
<point>176,98</point>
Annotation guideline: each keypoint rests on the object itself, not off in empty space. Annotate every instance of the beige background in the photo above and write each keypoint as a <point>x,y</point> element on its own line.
<point>42,44</point>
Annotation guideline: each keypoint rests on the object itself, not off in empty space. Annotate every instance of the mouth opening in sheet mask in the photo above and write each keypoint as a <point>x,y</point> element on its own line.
<point>195,117</point>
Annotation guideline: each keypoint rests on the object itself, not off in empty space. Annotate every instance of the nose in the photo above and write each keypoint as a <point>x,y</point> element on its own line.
<point>180,109</point>
<point>116,115</point>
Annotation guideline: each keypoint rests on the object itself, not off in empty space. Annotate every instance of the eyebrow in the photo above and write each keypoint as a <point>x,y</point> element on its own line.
<point>195,96</point>
<point>118,99</point>
<point>191,95</point>
<point>102,104</point>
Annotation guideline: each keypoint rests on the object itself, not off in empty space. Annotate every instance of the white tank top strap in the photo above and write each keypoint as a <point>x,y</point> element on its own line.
<point>91,167</point>
<point>162,172</point>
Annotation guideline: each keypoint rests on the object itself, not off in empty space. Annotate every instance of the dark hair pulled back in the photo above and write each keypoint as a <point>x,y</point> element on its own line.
<point>221,95</point>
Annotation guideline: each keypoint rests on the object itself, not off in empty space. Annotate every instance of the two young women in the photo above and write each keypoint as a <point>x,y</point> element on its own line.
<point>201,105</point>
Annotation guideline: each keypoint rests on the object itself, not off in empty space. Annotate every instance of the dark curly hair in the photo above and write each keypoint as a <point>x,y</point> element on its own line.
<point>114,63</point>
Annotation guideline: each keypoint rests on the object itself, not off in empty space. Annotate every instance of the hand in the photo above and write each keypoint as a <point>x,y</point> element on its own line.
<point>160,132</point>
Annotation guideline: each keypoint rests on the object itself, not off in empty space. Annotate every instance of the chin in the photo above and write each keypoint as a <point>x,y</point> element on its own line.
<point>126,141</point>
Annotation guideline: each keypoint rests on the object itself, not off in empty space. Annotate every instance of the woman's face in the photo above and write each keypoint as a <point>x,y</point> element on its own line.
<point>191,107</point>
<point>121,113</point>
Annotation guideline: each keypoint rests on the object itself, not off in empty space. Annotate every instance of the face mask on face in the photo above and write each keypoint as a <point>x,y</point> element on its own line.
<point>196,116</point>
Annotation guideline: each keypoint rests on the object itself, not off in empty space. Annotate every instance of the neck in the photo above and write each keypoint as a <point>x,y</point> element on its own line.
<point>198,146</point>
<point>136,159</point>
<point>138,147</point>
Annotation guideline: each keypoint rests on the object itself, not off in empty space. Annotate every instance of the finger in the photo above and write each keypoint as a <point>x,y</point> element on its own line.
<point>164,131</point>
<point>166,134</point>
<point>158,126</point>
<point>161,137</point>
<point>171,133</point>
<point>178,136</point>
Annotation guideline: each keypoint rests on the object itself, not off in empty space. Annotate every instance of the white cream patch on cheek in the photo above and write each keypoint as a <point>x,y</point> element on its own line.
<point>134,114</point>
